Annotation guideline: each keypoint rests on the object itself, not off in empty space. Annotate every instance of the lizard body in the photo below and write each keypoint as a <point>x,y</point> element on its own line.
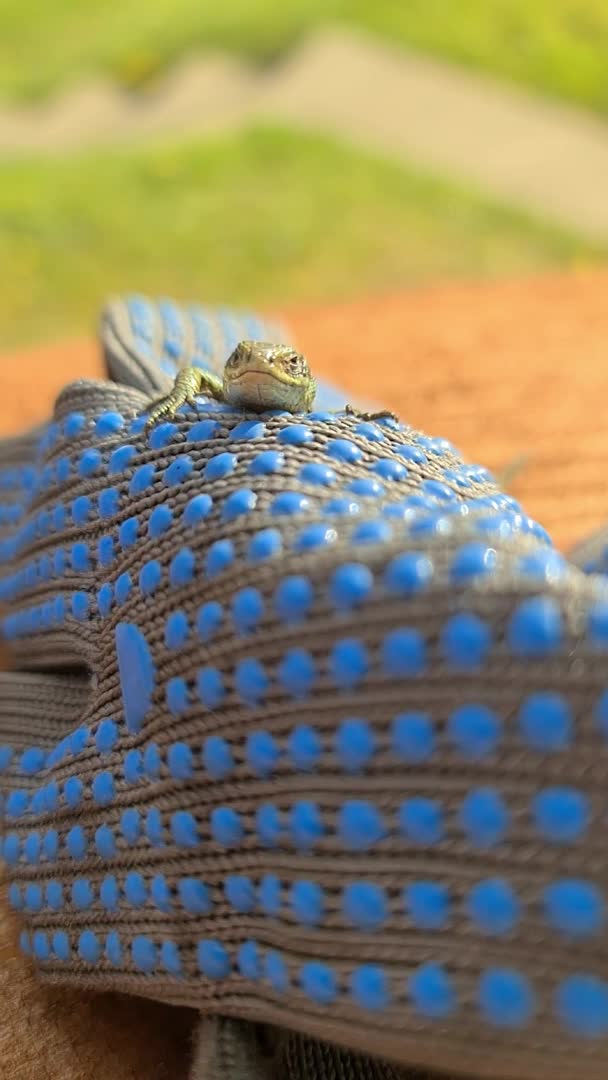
<point>258,375</point>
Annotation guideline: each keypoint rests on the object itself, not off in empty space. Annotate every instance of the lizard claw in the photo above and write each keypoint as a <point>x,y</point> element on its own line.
<point>381,414</point>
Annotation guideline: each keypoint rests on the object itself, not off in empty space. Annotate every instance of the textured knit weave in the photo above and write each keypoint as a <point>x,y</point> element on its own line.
<point>340,764</point>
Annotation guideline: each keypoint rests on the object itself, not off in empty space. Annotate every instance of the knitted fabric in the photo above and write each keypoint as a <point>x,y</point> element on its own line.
<point>308,728</point>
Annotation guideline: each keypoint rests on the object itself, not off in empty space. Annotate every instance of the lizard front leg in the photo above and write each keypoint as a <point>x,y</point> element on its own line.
<point>189,382</point>
<point>380,415</point>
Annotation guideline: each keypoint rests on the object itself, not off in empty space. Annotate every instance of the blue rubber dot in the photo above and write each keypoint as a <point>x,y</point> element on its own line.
<point>108,502</point>
<point>247,609</point>
<point>137,673</point>
<point>249,961</point>
<point>78,740</point>
<point>105,844</point>
<point>213,959</point>
<point>389,469</point>
<point>180,761</point>
<point>169,958</point>
<point>121,458</point>
<point>307,902</point>
<point>268,824</point>
<point>342,506</point>
<point>306,824</point>
<point>546,721</point>
<point>276,972</point>
<point>194,896</point>
<point>403,653</point>
<point>475,730</point>
<point>152,761</point>
<point>354,744</point>
<point>297,673</point>
<point>50,844</point>
<point>135,888</point>
<point>350,585</point>
<point>219,466</point>
<point>199,507</point>
<point>177,696</point>
<point>536,627</point>
<point>25,943</point>
<point>130,825</point>
<point>360,825</point>
<point>219,557</point>
<point>293,598</point>
<point>344,450</point>
<point>31,847</point>
<point>421,820</point>
<point>90,462</point>
<point>304,748</point>
<point>162,434</point>
<point>262,753</point>
<point>369,431</point>
<point>209,620</point>
<point>432,991</point>
<point>226,826</point>
<point>81,509</point>
<point>315,535</point>
<point>217,757</point>
<point>202,430</point>
<point>109,423</point>
<point>240,893</point>
<point>133,770</point>
<point>122,588</point>
<point>239,502</point>
<point>506,998</point>
<point>484,817</point>
<point>105,599</point>
<point>159,521</point>
<point>160,893</point>
<point>17,803</point>
<point>184,829</point>
<point>575,907</point>
<point>318,474</point>
<point>76,842</point>
<point>295,435</point>
<point>79,557</point>
<point>33,897</point>
<point>177,630</point>
<point>471,560</point>
<point>264,545</point>
<point>581,1003</point>
<point>371,532</point>
<point>142,479</point>
<point>348,662</point>
<point>61,945</point>
<point>14,897</point>
<point>561,814</point>
<point>11,848</point>
<point>597,624</point>
<point>89,948</point>
<point>103,789</point>
<point>266,463</point>
<point>113,949</point>
<point>80,605</point>
<point>105,550</point>
<point>408,574</point>
<point>366,485</point>
<point>270,895</point>
<point>289,503</point>
<point>150,577</point>
<point>144,953</point>
<point>82,893</point>
<point>319,982</point>
<point>179,470</point>
<point>251,681</point>
<point>493,906</point>
<point>210,687</point>
<point>73,425</point>
<point>365,905</point>
<point>427,904</point>
<point>248,430</point>
<point>413,737</point>
<point>40,946</point>
<point>465,641</point>
<point>369,987</point>
<point>181,568</point>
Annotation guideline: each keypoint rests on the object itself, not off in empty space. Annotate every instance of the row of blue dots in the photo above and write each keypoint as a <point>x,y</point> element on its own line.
<point>561,815</point>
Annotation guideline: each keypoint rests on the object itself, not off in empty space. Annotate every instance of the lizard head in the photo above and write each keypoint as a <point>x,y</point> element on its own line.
<point>260,375</point>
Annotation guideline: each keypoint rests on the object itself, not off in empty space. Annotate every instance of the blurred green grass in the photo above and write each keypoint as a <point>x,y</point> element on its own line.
<point>263,217</point>
<point>557,46</point>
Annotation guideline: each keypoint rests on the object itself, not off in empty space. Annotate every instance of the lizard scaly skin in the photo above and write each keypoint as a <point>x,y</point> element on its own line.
<point>258,375</point>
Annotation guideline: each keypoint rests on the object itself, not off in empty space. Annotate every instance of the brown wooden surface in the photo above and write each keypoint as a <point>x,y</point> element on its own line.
<point>499,369</point>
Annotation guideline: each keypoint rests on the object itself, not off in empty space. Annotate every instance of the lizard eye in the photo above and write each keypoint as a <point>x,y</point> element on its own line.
<point>295,364</point>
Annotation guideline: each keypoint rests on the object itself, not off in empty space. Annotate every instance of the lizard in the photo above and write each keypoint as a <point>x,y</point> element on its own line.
<point>258,375</point>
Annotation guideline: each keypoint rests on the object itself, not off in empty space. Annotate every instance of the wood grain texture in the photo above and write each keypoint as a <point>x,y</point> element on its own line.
<point>499,369</point>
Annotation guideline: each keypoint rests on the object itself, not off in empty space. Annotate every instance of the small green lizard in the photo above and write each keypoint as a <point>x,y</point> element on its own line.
<point>258,375</point>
